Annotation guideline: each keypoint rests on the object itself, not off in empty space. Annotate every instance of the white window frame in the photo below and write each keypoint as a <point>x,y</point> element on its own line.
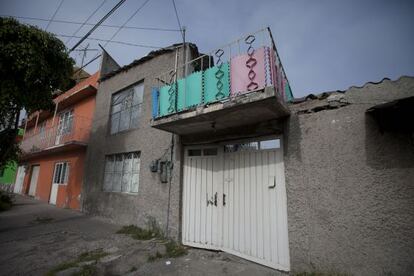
<point>127,102</point>
<point>121,172</point>
<point>58,177</point>
<point>65,124</point>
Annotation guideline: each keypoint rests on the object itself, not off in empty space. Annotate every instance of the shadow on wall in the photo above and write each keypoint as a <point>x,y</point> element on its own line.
<point>387,150</point>
<point>292,136</point>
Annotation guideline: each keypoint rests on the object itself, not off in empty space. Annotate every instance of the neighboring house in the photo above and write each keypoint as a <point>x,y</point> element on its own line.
<point>222,157</point>
<point>7,176</point>
<point>54,147</point>
<point>8,173</point>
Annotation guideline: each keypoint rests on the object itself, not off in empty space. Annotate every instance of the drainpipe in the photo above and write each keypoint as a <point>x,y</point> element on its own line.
<point>54,114</point>
<point>37,120</point>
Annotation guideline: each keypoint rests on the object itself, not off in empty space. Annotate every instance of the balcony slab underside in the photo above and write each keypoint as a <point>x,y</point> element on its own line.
<point>68,146</point>
<point>244,110</point>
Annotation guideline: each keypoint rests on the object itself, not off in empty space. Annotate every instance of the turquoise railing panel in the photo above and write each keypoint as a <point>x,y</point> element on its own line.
<point>193,89</point>
<point>181,95</point>
<point>211,83</point>
<point>164,98</point>
<point>288,92</point>
<point>155,100</point>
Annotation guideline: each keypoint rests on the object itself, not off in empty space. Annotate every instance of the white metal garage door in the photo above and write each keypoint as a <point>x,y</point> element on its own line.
<point>235,201</point>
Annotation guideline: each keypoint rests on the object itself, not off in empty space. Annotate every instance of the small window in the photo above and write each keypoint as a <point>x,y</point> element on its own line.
<point>126,108</point>
<point>210,151</point>
<point>256,145</point>
<point>241,147</point>
<point>122,172</point>
<point>270,144</point>
<point>61,174</point>
<point>194,152</point>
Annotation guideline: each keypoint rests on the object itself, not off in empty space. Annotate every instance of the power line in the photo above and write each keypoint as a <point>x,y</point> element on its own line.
<point>54,14</point>
<point>122,26</point>
<point>178,20</point>
<point>111,41</point>
<point>126,22</point>
<point>92,24</point>
<point>87,19</point>
<point>97,24</point>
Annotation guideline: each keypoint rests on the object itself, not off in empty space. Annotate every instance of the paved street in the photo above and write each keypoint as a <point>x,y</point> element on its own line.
<point>36,237</point>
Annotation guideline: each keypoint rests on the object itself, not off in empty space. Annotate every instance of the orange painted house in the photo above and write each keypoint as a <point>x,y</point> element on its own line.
<point>54,147</point>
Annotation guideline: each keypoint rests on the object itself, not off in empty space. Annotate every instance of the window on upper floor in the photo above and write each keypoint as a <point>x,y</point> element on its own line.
<point>42,129</point>
<point>126,108</point>
<point>65,122</point>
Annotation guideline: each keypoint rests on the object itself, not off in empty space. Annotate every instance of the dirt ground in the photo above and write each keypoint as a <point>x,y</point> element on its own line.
<point>40,239</point>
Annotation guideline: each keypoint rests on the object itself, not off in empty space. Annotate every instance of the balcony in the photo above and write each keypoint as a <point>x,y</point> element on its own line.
<point>240,84</point>
<point>68,134</point>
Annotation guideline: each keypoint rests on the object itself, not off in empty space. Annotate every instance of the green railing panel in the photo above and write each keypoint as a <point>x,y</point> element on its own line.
<point>193,89</point>
<point>288,92</point>
<point>211,91</point>
<point>181,95</point>
<point>164,100</point>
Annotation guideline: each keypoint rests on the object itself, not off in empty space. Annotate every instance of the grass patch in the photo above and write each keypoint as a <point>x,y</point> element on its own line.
<point>88,256</point>
<point>172,250</point>
<point>152,258</point>
<point>138,233</point>
<point>94,255</point>
<point>61,267</point>
<point>87,270</point>
<point>6,201</point>
<point>43,220</point>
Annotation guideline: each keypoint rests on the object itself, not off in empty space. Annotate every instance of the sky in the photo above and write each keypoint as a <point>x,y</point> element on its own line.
<point>324,45</point>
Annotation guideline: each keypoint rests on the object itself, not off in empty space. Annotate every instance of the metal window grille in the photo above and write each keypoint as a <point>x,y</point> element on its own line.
<point>122,172</point>
<point>126,108</point>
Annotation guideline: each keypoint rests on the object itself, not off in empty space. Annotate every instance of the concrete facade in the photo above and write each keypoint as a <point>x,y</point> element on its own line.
<point>350,193</point>
<point>350,189</point>
<point>154,200</point>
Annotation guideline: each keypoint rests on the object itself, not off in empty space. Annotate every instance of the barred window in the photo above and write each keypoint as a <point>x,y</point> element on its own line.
<point>61,173</point>
<point>126,108</point>
<point>122,172</point>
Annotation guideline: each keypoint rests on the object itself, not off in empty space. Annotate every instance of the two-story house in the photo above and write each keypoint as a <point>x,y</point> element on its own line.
<point>214,149</point>
<point>54,147</point>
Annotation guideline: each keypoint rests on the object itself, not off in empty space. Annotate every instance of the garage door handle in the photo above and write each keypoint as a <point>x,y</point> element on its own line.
<point>224,199</point>
<point>215,199</point>
<point>274,183</point>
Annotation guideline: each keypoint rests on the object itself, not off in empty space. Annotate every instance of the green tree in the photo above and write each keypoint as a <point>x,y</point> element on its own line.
<point>33,65</point>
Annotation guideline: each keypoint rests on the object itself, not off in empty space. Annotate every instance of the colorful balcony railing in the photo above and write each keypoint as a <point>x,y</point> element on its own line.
<point>73,131</point>
<point>235,73</point>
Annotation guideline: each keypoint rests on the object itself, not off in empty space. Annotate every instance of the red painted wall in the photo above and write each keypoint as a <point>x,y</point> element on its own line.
<point>68,194</point>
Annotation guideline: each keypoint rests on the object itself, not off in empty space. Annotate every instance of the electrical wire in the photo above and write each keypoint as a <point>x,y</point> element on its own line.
<point>122,26</point>
<point>126,22</point>
<point>92,24</point>
<point>87,19</point>
<point>54,14</point>
<point>111,41</point>
<point>178,19</point>
<point>97,24</point>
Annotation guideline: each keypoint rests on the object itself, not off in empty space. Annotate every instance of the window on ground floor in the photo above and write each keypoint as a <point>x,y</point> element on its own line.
<point>61,174</point>
<point>122,172</point>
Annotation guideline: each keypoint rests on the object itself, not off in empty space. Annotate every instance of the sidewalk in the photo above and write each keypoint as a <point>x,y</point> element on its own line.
<point>36,237</point>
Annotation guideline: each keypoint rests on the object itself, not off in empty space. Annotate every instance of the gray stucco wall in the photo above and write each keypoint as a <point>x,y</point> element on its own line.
<point>350,189</point>
<point>153,196</point>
